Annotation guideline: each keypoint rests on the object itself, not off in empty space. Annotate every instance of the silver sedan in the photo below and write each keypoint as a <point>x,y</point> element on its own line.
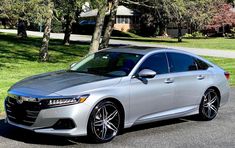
<point>115,89</point>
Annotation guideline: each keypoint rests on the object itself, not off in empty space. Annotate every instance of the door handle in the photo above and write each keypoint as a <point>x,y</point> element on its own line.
<point>169,80</point>
<point>201,77</point>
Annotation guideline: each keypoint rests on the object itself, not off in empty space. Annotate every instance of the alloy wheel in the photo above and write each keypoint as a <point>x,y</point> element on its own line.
<point>210,104</point>
<point>106,122</point>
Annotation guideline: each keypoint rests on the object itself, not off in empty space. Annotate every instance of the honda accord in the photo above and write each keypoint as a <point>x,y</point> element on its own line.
<point>117,88</point>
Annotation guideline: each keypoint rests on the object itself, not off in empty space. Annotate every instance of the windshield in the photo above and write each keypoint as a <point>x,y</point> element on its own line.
<point>111,64</point>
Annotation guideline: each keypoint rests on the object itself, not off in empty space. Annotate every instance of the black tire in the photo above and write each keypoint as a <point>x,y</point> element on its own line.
<point>108,123</point>
<point>209,105</point>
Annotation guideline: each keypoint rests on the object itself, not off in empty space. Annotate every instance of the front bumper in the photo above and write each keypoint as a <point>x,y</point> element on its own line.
<point>46,118</point>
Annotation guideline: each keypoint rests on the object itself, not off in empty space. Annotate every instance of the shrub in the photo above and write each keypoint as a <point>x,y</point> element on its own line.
<point>231,35</point>
<point>197,34</point>
<point>134,31</point>
<point>194,35</point>
<point>187,35</point>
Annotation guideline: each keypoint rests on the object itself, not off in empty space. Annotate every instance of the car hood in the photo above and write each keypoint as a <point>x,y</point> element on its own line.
<point>49,84</point>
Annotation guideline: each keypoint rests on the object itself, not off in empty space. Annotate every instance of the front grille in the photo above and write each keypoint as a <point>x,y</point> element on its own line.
<point>25,113</point>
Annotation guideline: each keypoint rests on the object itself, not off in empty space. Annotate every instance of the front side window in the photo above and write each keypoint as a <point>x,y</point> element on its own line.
<point>157,63</point>
<point>113,64</point>
<point>181,62</point>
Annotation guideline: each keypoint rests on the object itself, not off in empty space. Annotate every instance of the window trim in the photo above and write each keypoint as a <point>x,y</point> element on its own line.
<point>167,54</point>
<point>145,58</point>
<point>203,62</point>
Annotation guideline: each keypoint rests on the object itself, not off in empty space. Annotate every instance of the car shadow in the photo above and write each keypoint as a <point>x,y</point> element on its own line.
<point>18,134</point>
<point>21,135</point>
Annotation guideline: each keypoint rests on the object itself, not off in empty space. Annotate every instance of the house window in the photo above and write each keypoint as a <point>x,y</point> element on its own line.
<point>123,20</point>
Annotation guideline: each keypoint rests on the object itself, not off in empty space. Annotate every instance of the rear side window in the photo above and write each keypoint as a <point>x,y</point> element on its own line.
<point>181,62</point>
<point>157,62</point>
<point>202,65</point>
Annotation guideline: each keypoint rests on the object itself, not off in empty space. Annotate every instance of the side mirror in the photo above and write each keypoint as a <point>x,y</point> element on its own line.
<point>72,65</point>
<point>147,73</point>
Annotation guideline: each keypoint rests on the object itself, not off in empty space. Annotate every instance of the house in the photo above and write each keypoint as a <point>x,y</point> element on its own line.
<point>126,18</point>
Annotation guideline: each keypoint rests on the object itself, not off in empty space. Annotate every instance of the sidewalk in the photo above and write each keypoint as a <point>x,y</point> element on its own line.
<point>86,38</point>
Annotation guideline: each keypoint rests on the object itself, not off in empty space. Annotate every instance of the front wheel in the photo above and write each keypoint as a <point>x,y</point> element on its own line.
<point>209,105</point>
<point>104,122</point>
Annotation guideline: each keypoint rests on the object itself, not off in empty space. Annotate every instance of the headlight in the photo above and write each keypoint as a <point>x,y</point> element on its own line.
<point>67,101</point>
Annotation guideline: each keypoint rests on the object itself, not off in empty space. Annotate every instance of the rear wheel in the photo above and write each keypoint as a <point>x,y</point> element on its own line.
<point>104,122</point>
<point>209,105</point>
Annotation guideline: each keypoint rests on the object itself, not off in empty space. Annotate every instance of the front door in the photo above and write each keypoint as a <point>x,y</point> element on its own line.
<point>149,97</point>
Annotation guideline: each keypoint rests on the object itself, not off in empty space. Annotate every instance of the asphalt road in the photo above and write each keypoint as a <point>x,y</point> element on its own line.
<point>177,133</point>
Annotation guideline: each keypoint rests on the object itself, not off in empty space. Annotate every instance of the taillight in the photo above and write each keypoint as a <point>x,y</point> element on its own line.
<point>227,75</point>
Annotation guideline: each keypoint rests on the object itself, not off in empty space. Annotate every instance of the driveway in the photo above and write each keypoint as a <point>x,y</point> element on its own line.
<point>86,38</point>
<point>176,133</point>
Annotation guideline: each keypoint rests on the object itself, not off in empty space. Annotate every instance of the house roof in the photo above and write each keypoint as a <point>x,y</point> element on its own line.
<point>121,10</point>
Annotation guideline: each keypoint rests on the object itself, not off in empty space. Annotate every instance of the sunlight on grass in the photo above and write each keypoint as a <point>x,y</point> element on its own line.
<point>19,59</point>
<point>227,64</point>
<point>209,43</point>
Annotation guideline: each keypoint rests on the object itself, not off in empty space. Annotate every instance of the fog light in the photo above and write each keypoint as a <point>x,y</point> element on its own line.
<point>64,124</point>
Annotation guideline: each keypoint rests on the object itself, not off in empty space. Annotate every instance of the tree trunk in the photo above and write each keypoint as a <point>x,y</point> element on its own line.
<point>162,29</point>
<point>95,41</point>
<point>43,52</point>
<point>68,30</point>
<point>179,31</point>
<point>110,25</point>
<point>21,29</point>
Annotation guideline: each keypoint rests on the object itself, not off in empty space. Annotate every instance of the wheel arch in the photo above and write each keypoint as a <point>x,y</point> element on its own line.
<point>217,91</point>
<point>120,107</point>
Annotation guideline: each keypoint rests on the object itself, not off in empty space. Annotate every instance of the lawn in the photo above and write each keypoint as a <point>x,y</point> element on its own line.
<point>18,59</point>
<point>209,43</point>
<point>227,64</point>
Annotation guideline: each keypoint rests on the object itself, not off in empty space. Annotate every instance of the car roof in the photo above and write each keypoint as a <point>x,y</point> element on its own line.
<point>142,50</point>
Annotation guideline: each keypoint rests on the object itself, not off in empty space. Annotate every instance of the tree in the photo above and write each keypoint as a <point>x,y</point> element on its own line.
<point>95,41</point>
<point>8,12</point>
<point>15,11</point>
<point>43,52</point>
<point>67,11</point>
<point>155,15</point>
<point>224,16</point>
<point>178,9</point>
<point>200,12</point>
<point>232,2</point>
<point>110,24</point>
<point>196,13</point>
<point>21,13</point>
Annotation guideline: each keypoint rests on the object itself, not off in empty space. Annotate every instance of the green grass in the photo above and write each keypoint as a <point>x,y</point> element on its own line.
<point>227,64</point>
<point>209,43</point>
<point>18,59</point>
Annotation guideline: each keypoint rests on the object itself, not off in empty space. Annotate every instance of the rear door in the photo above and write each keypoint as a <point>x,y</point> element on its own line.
<point>189,80</point>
